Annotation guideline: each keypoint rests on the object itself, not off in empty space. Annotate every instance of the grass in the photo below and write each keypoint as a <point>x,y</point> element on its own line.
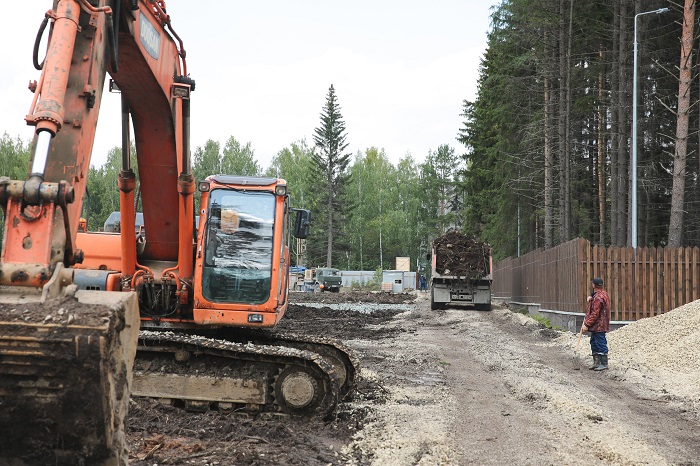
<point>546,322</point>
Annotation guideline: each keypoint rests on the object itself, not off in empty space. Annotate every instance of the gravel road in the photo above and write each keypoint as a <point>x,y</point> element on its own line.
<point>495,387</point>
<point>461,387</point>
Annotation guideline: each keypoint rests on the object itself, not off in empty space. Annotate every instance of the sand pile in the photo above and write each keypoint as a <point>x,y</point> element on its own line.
<point>665,348</point>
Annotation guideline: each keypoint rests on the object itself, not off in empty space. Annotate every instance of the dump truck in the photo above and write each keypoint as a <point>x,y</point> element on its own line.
<point>461,272</point>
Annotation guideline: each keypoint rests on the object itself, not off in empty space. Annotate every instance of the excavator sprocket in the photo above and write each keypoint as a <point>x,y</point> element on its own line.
<point>203,373</point>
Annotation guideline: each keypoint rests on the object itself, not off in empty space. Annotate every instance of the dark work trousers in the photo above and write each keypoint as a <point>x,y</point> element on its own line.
<point>599,344</point>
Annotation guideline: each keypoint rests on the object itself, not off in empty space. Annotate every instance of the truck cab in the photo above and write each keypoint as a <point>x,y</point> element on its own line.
<point>327,279</point>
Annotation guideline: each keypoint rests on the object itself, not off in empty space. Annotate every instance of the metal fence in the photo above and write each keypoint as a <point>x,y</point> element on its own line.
<point>641,283</point>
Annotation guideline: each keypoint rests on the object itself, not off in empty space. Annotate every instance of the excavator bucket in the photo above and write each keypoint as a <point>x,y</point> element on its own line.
<point>65,375</point>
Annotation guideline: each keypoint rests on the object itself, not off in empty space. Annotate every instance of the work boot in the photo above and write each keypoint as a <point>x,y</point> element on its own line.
<point>603,359</point>
<point>596,361</point>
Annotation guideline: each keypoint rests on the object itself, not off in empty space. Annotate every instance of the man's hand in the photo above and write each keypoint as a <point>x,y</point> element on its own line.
<point>584,328</point>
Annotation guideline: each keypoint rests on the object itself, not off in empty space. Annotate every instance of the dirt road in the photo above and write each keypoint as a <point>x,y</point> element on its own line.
<point>453,387</point>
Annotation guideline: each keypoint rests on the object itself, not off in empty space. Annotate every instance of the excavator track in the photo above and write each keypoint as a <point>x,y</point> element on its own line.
<point>342,358</point>
<point>207,373</point>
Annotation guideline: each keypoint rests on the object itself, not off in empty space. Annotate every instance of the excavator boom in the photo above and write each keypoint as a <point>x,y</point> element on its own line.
<point>66,355</point>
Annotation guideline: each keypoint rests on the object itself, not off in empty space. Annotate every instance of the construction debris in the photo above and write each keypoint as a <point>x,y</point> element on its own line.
<point>460,255</point>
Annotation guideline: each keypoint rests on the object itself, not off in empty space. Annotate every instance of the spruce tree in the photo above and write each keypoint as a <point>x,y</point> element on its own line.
<point>330,169</point>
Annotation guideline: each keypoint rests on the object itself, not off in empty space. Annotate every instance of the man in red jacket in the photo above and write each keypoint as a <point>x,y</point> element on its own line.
<point>597,322</point>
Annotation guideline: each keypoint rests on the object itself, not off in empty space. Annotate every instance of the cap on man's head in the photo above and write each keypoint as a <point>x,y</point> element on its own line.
<point>597,281</point>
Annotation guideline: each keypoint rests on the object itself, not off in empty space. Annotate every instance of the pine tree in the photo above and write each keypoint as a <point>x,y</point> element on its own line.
<point>330,168</point>
<point>675,227</point>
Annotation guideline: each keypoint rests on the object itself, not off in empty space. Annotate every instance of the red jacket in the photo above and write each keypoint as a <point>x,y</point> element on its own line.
<point>598,312</point>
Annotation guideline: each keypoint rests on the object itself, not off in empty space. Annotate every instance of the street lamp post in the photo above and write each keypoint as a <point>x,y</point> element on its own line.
<point>634,129</point>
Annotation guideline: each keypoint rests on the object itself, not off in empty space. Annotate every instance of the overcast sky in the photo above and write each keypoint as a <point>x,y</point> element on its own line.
<point>401,69</point>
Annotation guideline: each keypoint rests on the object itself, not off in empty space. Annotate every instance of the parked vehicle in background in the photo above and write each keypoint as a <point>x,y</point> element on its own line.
<point>327,279</point>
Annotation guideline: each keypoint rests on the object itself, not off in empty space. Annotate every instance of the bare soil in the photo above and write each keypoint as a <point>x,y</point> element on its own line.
<point>451,387</point>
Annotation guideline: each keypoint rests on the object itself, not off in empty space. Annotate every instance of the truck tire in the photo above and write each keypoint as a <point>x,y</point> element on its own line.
<point>483,307</point>
<point>433,305</point>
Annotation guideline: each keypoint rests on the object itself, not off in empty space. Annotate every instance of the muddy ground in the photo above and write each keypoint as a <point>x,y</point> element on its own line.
<point>448,387</point>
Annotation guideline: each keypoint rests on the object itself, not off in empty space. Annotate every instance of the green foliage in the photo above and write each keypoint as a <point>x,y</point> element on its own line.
<point>382,211</point>
<point>293,164</point>
<point>239,160</point>
<point>103,191</point>
<point>440,170</point>
<point>528,81</point>
<point>546,323</point>
<point>14,164</point>
<point>14,157</point>
<point>387,217</point>
<point>376,279</point>
<point>207,160</point>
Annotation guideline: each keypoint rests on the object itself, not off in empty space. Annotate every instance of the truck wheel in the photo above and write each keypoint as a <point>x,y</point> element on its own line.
<point>482,307</point>
<point>433,305</point>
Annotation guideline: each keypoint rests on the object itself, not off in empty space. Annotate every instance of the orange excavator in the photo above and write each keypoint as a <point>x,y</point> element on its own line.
<point>182,308</point>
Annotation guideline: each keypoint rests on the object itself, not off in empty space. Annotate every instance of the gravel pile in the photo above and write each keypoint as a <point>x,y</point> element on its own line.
<point>363,308</point>
<point>665,348</point>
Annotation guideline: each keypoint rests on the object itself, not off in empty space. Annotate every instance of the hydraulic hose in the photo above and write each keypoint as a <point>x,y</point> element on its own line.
<point>112,44</point>
<point>113,35</point>
<point>37,42</point>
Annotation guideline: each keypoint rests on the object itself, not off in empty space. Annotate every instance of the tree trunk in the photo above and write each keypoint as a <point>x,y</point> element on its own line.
<point>675,227</point>
<point>548,207</point>
<point>614,126</point>
<point>567,129</point>
<point>561,124</point>
<point>623,110</point>
<point>329,251</point>
<point>601,154</point>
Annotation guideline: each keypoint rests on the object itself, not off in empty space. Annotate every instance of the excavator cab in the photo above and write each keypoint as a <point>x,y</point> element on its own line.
<point>240,237</point>
<point>242,252</point>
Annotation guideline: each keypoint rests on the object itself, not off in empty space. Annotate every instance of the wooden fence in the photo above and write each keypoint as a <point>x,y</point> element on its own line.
<point>657,280</point>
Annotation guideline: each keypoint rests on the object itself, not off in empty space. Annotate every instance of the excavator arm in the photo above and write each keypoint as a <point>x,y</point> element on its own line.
<point>150,71</point>
<point>66,356</point>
